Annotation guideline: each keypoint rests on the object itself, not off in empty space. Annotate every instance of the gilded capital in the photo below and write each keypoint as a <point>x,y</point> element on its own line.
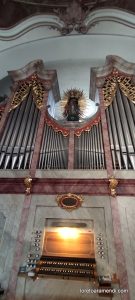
<point>113,182</point>
<point>28,185</point>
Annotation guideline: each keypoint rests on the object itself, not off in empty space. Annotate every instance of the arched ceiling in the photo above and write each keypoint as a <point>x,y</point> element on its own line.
<point>92,30</point>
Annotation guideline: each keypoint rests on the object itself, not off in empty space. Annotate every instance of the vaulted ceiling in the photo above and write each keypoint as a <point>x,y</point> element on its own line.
<point>71,12</point>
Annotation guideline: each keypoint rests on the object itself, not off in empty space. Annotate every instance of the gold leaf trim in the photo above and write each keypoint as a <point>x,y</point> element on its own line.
<point>113,182</point>
<point>28,185</point>
<point>110,87</point>
<point>127,88</point>
<point>56,126</point>
<point>20,95</point>
<point>88,126</point>
<point>38,93</point>
<point>75,201</point>
<point>23,90</point>
<point>109,90</point>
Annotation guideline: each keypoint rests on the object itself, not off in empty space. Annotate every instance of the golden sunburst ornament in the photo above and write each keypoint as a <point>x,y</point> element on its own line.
<point>73,103</point>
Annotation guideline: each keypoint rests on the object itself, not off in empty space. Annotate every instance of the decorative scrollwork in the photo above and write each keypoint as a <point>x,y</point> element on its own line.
<point>88,126</point>
<point>109,90</point>
<point>127,87</point>
<point>38,92</point>
<point>23,89</point>
<point>57,128</point>
<point>110,87</point>
<point>20,94</point>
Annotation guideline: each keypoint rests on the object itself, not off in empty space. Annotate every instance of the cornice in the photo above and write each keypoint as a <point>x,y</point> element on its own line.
<point>59,186</point>
<point>54,22</point>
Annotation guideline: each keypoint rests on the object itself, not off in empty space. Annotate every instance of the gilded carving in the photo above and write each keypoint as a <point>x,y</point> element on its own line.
<point>110,87</point>
<point>113,182</point>
<point>109,90</point>
<point>69,201</point>
<point>23,90</point>
<point>57,128</point>
<point>38,92</point>
<point>88,126</point>
<point>20,94</point>
<point>127,87</point>
<point>28,185</point>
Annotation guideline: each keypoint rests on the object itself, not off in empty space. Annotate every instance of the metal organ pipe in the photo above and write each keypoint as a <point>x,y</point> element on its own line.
<point>19,135</point>
<point>9,129</point>
<point>126,133</point>
<point>54,150</point>
<point>112,144</point>
<point>131,127</point>
<point>132,109</point>
<point>89,152</point>
<point>122,159</point>
<point>120,118</point>
<point>29,137</point>
<point>101,146</point>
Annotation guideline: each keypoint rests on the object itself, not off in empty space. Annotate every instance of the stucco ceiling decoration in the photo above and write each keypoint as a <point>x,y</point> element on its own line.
<point>72,14</point>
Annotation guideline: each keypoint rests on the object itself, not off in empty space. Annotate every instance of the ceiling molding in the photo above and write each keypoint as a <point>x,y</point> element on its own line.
<point>55,23</point>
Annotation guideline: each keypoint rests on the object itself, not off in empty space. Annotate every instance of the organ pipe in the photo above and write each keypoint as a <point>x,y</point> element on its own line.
<point>121,126</point>
<point>17,142</point>
<point>54,150</point>
<point>89,151</point>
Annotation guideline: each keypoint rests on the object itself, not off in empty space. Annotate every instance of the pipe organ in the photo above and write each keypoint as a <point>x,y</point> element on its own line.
<point>121,126</point>
<point>54,150</point>
<point>39,89</point>
<point>18,137</point>
<point>89,150</point>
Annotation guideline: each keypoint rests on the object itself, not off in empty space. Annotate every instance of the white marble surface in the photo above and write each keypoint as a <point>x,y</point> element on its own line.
<point>127,215</point>
<point>10,207</point>
<point>82,174</point>
<point>95,210</point>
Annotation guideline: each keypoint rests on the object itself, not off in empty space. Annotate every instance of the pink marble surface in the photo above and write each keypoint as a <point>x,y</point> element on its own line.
<point>71,150</point>
<point>57,185</point>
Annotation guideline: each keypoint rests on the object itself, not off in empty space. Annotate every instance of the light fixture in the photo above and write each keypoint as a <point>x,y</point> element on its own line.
<point>68,233</point>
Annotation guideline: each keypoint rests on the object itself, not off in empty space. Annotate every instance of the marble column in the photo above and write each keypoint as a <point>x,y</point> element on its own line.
<point>119,247</point>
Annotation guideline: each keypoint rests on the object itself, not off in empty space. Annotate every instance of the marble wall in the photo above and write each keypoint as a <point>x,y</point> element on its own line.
<point>10,211</point>
<point>96,210</point>
<point>127,216</point>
